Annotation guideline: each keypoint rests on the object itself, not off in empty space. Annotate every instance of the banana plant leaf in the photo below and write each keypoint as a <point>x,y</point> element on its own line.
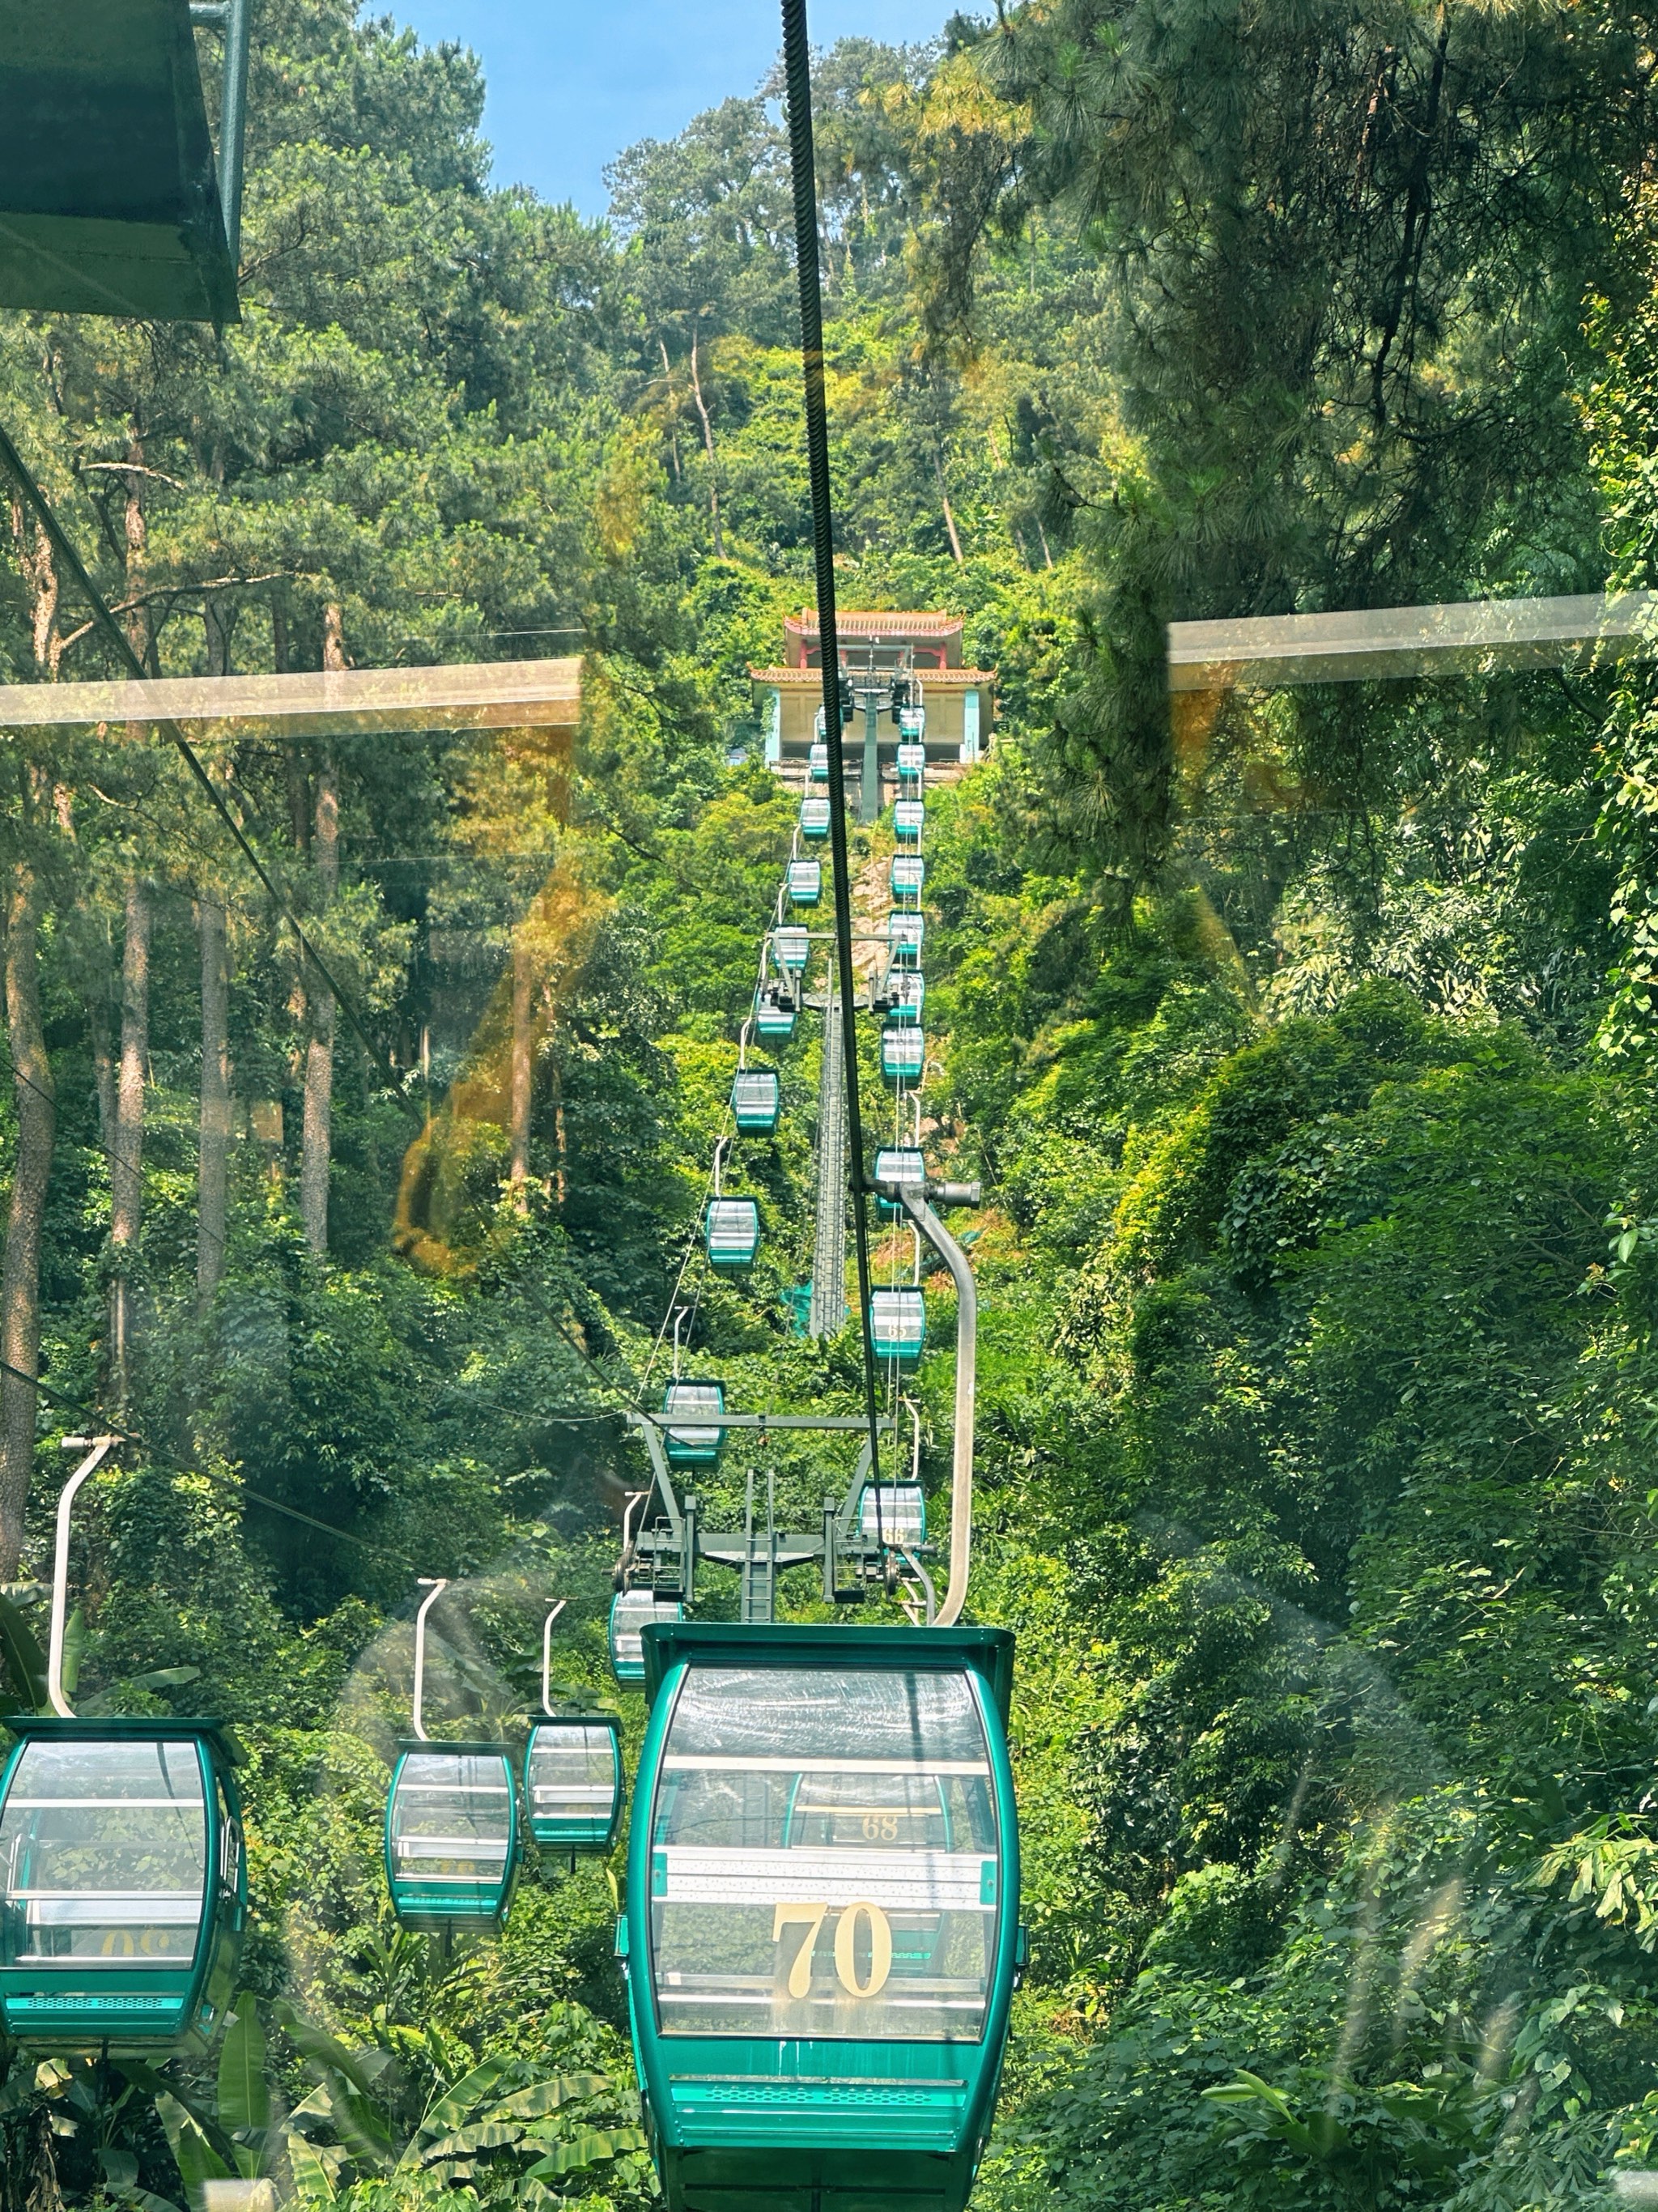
<point>314,2171</point>
<point>74,1650</point>
<point>156,2086</point>
<point>464,2143</point>
<point>198,2162</point>
<point>244,2094</point>
<point>585,2147</point>
<point>22,1663</point>
<point>459,2104</point>
<point>547,2096</point>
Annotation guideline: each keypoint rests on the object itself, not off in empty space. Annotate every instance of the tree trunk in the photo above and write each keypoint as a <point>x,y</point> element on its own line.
<point>20,1276</point>
<point>673,405</point>
<point>213,1168</point>
<point>126,1167</point>
<point>713,465</point>
<point>560,1184</point>
<point>950,519</point>
<point>523,1071</point>
<point>213,1126</point>
<point>318,1140</point>
<point>103,1048</point>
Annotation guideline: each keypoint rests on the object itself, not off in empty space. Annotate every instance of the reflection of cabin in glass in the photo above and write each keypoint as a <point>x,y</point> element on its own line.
<point>889,661</point>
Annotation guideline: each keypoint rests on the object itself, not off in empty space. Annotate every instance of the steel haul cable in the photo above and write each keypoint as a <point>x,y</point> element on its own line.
<point>797,72</point>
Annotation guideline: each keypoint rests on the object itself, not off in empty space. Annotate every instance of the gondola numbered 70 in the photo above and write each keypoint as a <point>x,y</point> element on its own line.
<point>821,1936</point>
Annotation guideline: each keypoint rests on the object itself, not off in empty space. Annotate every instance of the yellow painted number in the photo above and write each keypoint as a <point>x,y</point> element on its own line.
<point>811,1918</point>
<point>880,1949</point>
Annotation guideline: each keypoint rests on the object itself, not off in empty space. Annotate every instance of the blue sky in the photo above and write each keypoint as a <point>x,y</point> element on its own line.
<point>572,83</point>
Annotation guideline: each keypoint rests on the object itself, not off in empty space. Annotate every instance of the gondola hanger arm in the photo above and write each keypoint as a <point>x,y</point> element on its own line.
<point>435,1590</point>
<point>547,1657</point>
<point>927,1223</point>
<point>97,1450</point>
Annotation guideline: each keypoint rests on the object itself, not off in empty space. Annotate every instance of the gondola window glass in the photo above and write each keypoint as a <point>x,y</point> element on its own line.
<point>452,1821</point>
<point>573,1773</point>
<point>824,1856</point>
<point>105,1852</point>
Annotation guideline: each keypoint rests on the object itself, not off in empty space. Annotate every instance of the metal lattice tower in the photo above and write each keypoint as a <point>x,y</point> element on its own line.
<point>829,1265</point>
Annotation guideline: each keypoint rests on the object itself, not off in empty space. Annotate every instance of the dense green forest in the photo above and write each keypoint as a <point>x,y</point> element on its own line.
<point>1304,1042</point>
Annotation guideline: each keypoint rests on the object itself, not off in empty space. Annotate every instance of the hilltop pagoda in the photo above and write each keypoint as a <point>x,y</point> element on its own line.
<point>887,659</point>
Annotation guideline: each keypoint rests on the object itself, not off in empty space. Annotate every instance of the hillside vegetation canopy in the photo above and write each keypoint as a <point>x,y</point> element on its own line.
<point>1306,1045</point>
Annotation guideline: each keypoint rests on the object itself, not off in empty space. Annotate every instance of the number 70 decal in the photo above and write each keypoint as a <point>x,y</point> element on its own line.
<point>811,1918</point>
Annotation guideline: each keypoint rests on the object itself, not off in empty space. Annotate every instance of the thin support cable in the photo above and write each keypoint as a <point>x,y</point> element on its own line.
<point>797,70</point>
<point>239,1490</point>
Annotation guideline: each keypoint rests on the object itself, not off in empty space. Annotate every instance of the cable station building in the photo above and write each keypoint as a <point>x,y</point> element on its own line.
<point>902,678</point>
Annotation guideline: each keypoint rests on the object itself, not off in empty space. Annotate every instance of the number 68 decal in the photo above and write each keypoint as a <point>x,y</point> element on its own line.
<point>811,1917</point>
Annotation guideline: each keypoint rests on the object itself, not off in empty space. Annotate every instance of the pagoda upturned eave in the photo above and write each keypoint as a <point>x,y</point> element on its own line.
<point>811,679</point>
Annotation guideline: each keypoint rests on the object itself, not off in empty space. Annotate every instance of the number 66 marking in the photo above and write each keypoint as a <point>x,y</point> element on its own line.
<point>811,1917</point>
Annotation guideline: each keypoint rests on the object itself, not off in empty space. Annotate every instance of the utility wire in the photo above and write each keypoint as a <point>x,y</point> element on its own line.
<point>797,71</point>
<point>92,1143</point>
<point>98,1423</point>
<point>105,621</point>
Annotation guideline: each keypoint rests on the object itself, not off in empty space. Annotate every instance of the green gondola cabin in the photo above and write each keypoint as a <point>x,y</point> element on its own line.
<point>731,1234</point>
<point>905,934</point>
<point>109,194</point>
<point>805,881</point>
<point>633,1611</point>
<point>693,1444</point>
<point>814,817</point>
<point>896,1164</point>
<point>897,1323</point>
<point>896,1514</point>
<point>821,1935</point>
<point>908,1001</point>
<point>125,1885</point>
<point>774,1016</point>
<point>572,1782</point>
<point>903,1053</point>
<point>450,1835</point>
<point>908,820</point>
<point>757,1101</point>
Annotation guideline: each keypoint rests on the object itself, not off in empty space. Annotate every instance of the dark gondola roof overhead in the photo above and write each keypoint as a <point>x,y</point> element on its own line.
<point>129,1727</point>
<point>109,198</point>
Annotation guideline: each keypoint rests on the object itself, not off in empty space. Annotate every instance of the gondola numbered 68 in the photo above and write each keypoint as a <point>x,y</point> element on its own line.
<point>820,1936</point>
